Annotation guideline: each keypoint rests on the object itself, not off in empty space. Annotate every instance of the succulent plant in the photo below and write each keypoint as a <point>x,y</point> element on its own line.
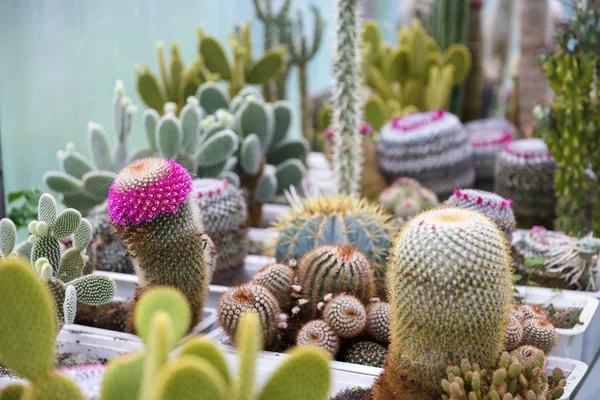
<point>524,172</point>
<point>334,220</point>
<point>514,333</point>
<point>250,296</point>
<point>320,271</point>
<point>378,321</point>
<point>225,217</point>
<point>405,198</point>
<point>370,354</point>
<point>153,213</point>
<point>317,333</point>
<point>526,311</point>
<point>431,147</point>
<point>488,137</point>
<point>84,184</point>
<point>424,335</point>
<point>346,315</point>
<point>566,262</point>
<point>278,279</point>
<point>347,104</point>
<point>519,375</point>
<point>490,204</point>
<point>540,333</point>
<point>416,76</point>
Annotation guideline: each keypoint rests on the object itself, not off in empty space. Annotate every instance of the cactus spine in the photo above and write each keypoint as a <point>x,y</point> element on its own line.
<point>346,315</point>
<point>153,214</point>
<point>446,250</point>
<point>370,354</point>
<point>317,333</point>
<point>347,149</point>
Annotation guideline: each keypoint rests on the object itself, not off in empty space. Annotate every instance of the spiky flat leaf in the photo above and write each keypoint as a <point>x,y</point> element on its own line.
<point>250,154</point>
<point>62,183</point>
<point>266,69</point>
<point>231,177</point>
<point>459,57</point>
<point>150,120</point>
<point>186,161</point>
<point>75,164</point>
<point>70,305</point>
<point>55,387</point>
<point>190,378</point>
<point>289,148</point>
<point>47,209</point>
<point>217,149</point>
<point>168,300</point>
<point>170,136</point>
<point>14,391</point>
<point>47,247</point>
<point>289,173</point>
<point>123,377</point>
<point>82,202</point>
<point>266,187</point>
<point>24,249</point>
<point>248,342</point>
<point>207,350</point>
<point>8,236</point>
<point>99,147</point>
<point>66,223</point>
<point>94,289</point>
<point>212,97</point>
<point>149,90</point>
<point>282,112</point>
<point>214,57</point>
<point>190,116</point>
<point>83,235</point>
<point>97,183</point>
<point>253,117</point>
<point>71,265</point>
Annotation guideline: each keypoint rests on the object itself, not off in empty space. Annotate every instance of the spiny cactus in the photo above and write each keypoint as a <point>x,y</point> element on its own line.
<point>540,333</point>
<point>278,279</point>
<point>378,321</point>
<point>526,311</point>
<point>153,213</point>
<point>488,137</point>
<point>26,343</point>
<point>514,333</point>
<point>346,315</point>
<point>524,172</point>
<point>317,333</point>
<point>225,216</point>
<point>431,147</point>
<point>519,375</point>
<point>370,354</point>
<point>84,184</point>
<point>334,220</point>
<point>347,154</point>
<point>462,257</point>
<point>250,296</point>
<point>242,69</point>
<point>490,204</point>
<point>568,262</point>
<point>416,76</point>
<point>320,270</point>
<point>405,198</point>
<point>268,157</point>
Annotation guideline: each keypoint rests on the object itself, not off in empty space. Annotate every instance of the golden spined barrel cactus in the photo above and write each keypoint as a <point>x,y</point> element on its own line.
<point>334,220</point>
<point>449,284</point>
<point>332,269</point>
<point>318,333</point>
<point>346,315</point>
<point>278,279</point>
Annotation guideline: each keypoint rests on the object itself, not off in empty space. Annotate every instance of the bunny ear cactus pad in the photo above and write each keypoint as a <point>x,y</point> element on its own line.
<point>167,300</point>
<point>150,208</point>
<point>8,236</point>
<point>467,262</point>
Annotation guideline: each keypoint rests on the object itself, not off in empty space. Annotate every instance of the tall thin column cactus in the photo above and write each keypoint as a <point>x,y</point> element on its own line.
<point>347,149</point>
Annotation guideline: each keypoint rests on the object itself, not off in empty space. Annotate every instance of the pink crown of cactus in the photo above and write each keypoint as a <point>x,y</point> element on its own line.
<point>520,150</point>
<point>411,122</point>
<point>365,129</point>
<point>147,188</point>
<point>209,187</point>
<point>497,138</point>
<point>479,200</point>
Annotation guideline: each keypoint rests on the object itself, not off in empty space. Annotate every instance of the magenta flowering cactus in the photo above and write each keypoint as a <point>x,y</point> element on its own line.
<point>149,204</point>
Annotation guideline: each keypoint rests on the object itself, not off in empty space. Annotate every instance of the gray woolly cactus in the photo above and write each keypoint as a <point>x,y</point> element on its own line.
<point>154,214</point>
<point>488,137</point>
<point>249,296</point>
<point>378,321</point>
<point>347,104</point>
<point>490,204</point>
<point>278,279</point>
<point>320,270</point>
<point>462,258</point>
<point>346,315</point>
<point>64,272</point>
<point>540,333</point>
<point>225,218</point>
<point>82,183</point>
<point>268,160</point>
<point>405,198</point>
<point>370,354</point>
<point>524,172</point>
<point>317,333</point>
<point>431,147</point>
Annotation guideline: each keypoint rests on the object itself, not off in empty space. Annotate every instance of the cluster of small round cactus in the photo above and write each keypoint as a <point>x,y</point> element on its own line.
<point>278,279</point>
<point>378,320</point>
<point>318,333</point>
<point>529,325</point>
<point>346,315</point>
<point>494,206</point>
<point>366,353</point>
<point>405,198</point>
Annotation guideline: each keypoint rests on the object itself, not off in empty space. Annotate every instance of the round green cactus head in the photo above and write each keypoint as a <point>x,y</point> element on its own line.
<point>449,282</point>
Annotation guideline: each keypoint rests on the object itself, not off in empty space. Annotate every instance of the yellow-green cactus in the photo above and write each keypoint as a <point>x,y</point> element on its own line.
<point>416,76</point>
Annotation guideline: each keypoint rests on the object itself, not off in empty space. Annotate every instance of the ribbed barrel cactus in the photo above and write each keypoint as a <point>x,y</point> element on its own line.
<point>446,256</point>
<point>431,147</point>
<point>225,218</point>
<point>370,354</point>
<point>154,214</point>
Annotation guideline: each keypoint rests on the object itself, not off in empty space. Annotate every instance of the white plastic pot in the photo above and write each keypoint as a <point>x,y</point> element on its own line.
<point>317,161</point>
<point>571,344</point>
<point>348,375</point>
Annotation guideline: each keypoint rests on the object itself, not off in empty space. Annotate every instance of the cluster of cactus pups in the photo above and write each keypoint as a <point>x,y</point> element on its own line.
<point>405,198</point>
<point>305,303</point>
<point>530,325</point>
<point>162,318</point>
<point>62,269</point>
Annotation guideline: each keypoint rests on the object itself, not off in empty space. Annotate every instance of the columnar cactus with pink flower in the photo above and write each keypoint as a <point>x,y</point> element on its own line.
<point>149,204</point>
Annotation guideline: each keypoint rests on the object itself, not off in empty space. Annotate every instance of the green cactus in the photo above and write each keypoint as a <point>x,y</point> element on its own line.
<point>520,374</point>
<point>164,235</point>
<point>405,198</point>
<point>26,347</point>
<point>424,335</point>
<point>242,69</point>
<point>378,321</point>
<point>319,334</point>
<point>370,354</point>
<point>319,271</point>
<point>84,183</point>
<point>278,279</point>
<point>334,220</point>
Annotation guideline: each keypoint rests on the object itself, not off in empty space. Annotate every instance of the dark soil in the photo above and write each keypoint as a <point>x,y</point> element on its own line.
<point>111,316</point>
<point>64,360</point>
<point>564,318</point>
